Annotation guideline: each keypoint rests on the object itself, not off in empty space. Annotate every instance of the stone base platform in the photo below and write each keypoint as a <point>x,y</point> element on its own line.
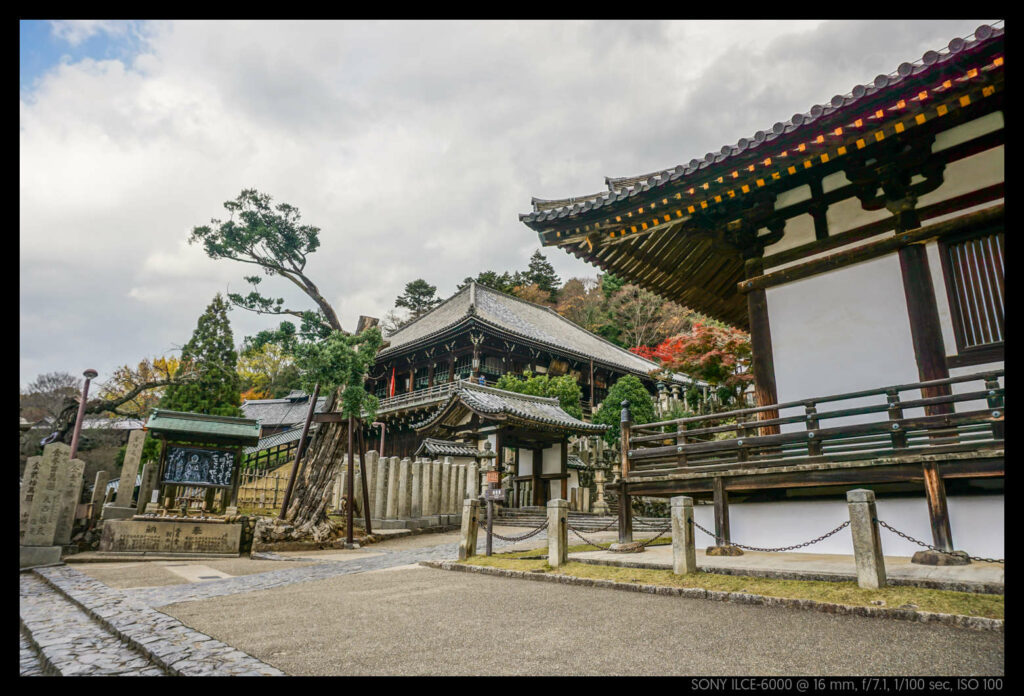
<point>30,556</point>
<point>113,512</point>
<point>136,556</point>
<point>170,536</point>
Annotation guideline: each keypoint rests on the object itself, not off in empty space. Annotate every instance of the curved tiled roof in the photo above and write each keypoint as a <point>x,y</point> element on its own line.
<point>274,440</point>
<point>521,318</point>
<point>450,448</point>
<point>625,187</point>
<point>505,405</point>
<point>276,412</point>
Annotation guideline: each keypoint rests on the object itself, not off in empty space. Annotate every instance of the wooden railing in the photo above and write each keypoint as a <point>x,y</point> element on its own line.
<point>798,431</point>
<point>422,397</point>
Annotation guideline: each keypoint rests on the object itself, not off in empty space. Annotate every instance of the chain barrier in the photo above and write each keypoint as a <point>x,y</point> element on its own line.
<point>521,537</point>
<point>824,536</point>
<point>588,542</point>
<point>933,548</point>
<point>644,543</point>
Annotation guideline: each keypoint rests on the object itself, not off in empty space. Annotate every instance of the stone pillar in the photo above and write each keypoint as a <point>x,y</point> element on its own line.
<point>684,549</point>
<point>425,497</point>
<point>573,502</point>
<point>380,495</point>
<point>586,500</point>
<point>600,505</point>
<point>473,481</point>
<point>453,488</point>
<point>70,493</point>
<point>470,526</point>
<point>391,512</point>
<point>99,490</point>
<point>370,458</point>
<point>435,487</point>
<point>404,485</point>
<point>446,477</point>
<point>867,545</point>
<point>149,475</point>
<point>342,478</point>
<point>130,469</point>
<point>558,532</point>
<point>357,482</point>
<point>416,505</point>
<point>460,487</point>
<point>108,498</point>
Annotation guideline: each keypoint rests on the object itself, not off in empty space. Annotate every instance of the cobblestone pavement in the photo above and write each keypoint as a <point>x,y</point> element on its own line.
<point>69,641</point>
<point>79,626</point>
<point>172,594</point>
<point>31,665</point>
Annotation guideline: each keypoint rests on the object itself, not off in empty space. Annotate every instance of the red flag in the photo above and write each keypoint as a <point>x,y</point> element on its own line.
<point>391,389</point>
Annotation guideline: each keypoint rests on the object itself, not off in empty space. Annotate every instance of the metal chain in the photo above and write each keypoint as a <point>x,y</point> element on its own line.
<point>661,533</point>
<point>933,548</point>
<point>588,542</point>
<point>522,537</point>
<point>781,548</point>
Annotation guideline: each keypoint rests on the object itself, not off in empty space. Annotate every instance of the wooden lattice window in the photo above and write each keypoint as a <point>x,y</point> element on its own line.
<point>973,265</point>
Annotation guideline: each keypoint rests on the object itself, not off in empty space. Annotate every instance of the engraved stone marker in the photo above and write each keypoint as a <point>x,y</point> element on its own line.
<point>404,484</point>
<point>149,483</point>
<point>380,480</point>
<point>99,490</point>
<point>416,506</point>
<point>392,508</point>
<point>130,468</point>
<point>70,478</point>
<point>446,477</point>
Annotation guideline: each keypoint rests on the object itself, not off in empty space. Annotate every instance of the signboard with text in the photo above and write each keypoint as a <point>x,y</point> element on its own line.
<point>199,467</point>
<point>496,494</point>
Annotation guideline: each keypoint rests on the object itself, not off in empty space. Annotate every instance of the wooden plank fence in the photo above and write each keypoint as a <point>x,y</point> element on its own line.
<point>263,489</point>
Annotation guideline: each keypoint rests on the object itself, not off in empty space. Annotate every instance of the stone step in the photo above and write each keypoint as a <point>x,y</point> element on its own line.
<point>162,640</point>
<point>31,662</point>
<point>69,642</point>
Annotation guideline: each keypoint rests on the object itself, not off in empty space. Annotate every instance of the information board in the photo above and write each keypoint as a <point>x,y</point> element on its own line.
<point>199,467</point>
<point>496,494</point>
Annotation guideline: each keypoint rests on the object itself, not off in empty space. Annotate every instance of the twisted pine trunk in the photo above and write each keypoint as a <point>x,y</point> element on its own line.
<point>307,511</point>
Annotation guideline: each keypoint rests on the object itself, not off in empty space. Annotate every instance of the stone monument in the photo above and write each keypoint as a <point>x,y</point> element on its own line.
<point>48,500</point>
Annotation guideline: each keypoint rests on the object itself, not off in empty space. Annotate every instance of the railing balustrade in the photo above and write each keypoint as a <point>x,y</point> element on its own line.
<point>746,437</point>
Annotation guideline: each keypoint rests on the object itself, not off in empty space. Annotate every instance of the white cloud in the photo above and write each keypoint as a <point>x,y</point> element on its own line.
<point>75,31</point>
<point>412,145</point>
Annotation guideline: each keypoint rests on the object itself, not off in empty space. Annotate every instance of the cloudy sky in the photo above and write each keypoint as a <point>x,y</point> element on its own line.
<point>412,145</point>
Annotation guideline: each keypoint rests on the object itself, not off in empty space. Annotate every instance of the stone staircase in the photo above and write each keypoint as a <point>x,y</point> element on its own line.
<point>584,521</point>
<point>74,625</point>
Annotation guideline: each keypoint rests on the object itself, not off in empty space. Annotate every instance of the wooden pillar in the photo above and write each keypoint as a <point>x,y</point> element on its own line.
<point>722,537</point>
<point>451,368</point>
<point>625,505</point>
<point>539,495</point>
<point>592,386</point>
<point>761,348</point>
<point>430,374</point>
<point>412,380</point>
<point>925,329</point>
<point>499,447</point>
<point>565,469</point>
<point>938,512</point>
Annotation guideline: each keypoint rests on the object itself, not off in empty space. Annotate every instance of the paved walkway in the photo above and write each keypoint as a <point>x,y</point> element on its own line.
<point>812,566</point>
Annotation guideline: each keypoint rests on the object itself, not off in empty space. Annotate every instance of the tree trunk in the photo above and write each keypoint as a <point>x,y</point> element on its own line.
<point>307,511</point>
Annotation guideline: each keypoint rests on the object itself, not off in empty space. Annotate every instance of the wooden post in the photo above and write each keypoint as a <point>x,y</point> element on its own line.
<point>813,441</point>
<point>995,402</point>
<point>938,512</point>
<point>925,328</point>
<point>761,349</point>
<point>722,536</point>
<point>364,477</point>
<point>565,469</point>
<point>298,452</point>
<point>897,433</point>
<point>625,511</point>
<point>350,499</point>
<point>538,467</point>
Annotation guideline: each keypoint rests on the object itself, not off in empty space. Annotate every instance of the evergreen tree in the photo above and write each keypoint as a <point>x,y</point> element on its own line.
<point>211,352</point>
<point>564,388</point>
<point>541,272</point>
<point>641,406</point>
<point>419,298</point>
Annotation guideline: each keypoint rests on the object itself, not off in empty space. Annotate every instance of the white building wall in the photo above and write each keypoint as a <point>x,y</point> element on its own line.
<point>976,522</point>
<point>525,462</point>
<point>842,331</point>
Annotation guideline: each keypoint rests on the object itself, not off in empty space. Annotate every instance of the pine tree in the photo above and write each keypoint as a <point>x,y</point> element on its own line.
<point>541,272</point>
<point>419,298</point>
<point>211,350</point>
<point>641,406</point>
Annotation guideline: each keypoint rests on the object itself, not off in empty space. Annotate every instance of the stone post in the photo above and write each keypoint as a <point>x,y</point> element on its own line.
<point>558,532</point>
<point>446,478</point>
<point>453,488</point>
<point>473,481</point>
<point>403,489</point>
<point>416,506</point>
<point>470,526</point>
<point>600,505</point>
<point>425,497</point>
<point>108,499</point>
<point>435,488</point>
<point>867,545</point>
<point>71,482</point>
<point>342,478</point>
<point>371,458</point>
<point>684,549</point>
<point>391,512</point>
<point>130,469</point>
<point>380,488</point>
<point>149,474</point>
<point>99,490</point>
<point>357,482</point>
<point>573,502</point>
<point>586,500</point>
<point>460,487</point>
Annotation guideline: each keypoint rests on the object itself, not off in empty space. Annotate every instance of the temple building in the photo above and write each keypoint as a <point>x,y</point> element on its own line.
<point>861,243</point>
<point>481,334</point>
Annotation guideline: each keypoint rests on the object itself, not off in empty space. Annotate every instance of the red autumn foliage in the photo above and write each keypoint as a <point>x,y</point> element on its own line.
<point>718,355</point>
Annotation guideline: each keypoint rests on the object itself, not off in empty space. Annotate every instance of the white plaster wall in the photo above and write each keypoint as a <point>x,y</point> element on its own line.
<point>552,460</point>
<point>842,331</point>
<point>968,174</point>
<point>848,213</point>
<point>976,522</point>
<point>525,462</point>
<point>799,230</point>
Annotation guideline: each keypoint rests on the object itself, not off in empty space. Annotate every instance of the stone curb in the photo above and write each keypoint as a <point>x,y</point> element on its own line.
<point>924,583</point>
<point>166,641</point>
<point>976,623</point>
<point>362,541</point>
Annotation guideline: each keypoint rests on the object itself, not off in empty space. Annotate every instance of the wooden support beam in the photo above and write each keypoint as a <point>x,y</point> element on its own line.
<point>925,329</point>
<point>722,537</point>
<point>761,348</point>
<point>938,511</point>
